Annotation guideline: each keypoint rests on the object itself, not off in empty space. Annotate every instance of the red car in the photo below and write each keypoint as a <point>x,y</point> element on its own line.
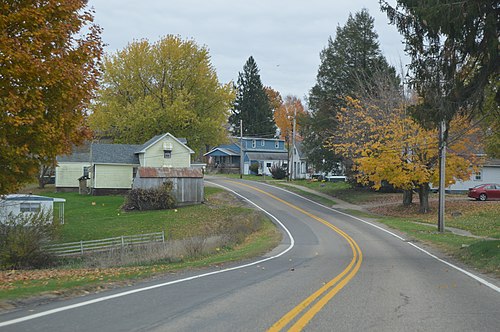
<point>483,192</point>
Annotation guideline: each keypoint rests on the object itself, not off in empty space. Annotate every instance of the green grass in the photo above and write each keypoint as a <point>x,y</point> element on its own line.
<point>97,217</point>
<point>485,222</point>
<point>68,281</point>
<point>83,219</point>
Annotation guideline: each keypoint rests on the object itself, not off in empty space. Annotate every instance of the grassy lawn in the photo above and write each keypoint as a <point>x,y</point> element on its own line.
<point>97,217</point>
<point>86,220</point>
<point>15,285</point>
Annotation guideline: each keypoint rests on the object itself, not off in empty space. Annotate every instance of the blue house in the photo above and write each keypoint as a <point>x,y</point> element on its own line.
<point>265,152</point>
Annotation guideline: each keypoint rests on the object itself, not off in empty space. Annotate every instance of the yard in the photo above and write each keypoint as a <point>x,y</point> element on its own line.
<point>96,217</point>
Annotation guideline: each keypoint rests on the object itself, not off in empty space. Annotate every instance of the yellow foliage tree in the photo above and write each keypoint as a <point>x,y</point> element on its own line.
<point>389,146</point>
<point>166,86</point>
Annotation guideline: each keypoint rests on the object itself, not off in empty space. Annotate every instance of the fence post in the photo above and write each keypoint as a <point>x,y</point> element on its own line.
<point>123,242</point>
<point>81,246</point>
<point>163,236</point>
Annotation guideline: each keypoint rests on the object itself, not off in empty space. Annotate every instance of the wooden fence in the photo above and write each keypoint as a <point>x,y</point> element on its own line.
<point>81,247</point>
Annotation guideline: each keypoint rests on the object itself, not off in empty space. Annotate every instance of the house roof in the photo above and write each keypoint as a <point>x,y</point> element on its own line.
<point>225,150</point>
<point>167,172</point>
<point>154,140</point>
<point>300,152</point>
<point>32,198</point>
<point>77,157</point>
<point>492,162</point>
<point>115,153</point>
<point>267,155</point>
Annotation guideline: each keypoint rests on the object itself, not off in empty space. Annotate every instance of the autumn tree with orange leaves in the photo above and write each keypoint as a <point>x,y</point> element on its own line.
<point>388,145</point>
<point>283,117</point>
<point>50,54</point>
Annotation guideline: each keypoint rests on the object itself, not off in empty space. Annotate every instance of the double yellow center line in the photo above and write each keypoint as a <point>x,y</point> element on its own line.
<point>300,316</point>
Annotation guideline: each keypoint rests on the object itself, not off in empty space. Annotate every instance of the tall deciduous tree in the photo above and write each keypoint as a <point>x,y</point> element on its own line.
<point>283,116</point>
<point>252,104</point>
<point>391,146</point>
<point>167,86</point>
<point>50,52</point>
<point>348,59</point>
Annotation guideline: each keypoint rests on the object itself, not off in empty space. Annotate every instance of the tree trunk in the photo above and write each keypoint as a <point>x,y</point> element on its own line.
<point>423,194</point>
<point>41,176</point>
<point>407,197</point>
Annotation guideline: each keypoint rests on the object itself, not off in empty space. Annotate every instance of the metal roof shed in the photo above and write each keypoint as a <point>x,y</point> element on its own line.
<point>188,186</point>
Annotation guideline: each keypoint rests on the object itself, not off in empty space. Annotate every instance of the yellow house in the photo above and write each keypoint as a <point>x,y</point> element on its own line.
<point>111,168</point>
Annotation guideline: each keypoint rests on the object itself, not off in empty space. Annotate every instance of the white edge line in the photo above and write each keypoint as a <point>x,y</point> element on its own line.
<point>473,276</point>
<point>109,297</point>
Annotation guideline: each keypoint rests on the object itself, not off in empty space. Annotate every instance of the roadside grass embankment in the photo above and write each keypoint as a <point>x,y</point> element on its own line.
<point>478,247</point>
<point>244,233</point>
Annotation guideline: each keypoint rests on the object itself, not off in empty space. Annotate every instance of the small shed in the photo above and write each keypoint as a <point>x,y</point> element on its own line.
<point>188,187</point>
<point>17,204</point>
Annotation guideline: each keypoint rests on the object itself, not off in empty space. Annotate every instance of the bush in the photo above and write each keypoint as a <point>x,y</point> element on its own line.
<point>159,198</point>
<point>254,168</point>
<point>278,172</point>
<point>22,239</point>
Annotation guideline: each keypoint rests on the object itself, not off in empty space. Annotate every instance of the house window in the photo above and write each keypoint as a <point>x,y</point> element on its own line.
<point>277,144</point>
<point>134,172</point>
<point>30,207</point>
<point>478,176</point>
<point>86,170</point>
<point>254,143</point>
<point>167,154</point>
<point>262,143</point>
<point>268,164</point>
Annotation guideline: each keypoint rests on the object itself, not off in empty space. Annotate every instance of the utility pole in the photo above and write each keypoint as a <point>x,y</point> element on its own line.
<point>442,169</point>
<point>293,143</point>
<point>241,149</point>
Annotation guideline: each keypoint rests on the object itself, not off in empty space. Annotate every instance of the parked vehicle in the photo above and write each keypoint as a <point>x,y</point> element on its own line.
<point>483,192</point>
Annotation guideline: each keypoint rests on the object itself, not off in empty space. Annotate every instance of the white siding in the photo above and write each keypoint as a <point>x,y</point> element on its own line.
<point>154,156</point>
<point>488,175</point>
<point>67,174</point>
<point>113,176</point>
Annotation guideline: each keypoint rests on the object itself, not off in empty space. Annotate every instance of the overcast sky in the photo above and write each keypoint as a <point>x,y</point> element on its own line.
<point>285,37</point>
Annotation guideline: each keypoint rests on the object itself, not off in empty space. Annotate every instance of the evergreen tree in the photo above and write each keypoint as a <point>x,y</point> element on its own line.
<point>347,66</point>
<point>252,104</point>
<point>453,47</point>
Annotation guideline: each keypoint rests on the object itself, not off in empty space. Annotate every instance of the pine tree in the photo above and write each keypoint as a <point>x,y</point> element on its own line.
<point>252,104</point>
<point>453,47</point>
<point>347,66</point>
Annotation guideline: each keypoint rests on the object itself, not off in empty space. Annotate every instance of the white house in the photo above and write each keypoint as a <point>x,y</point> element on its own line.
<point>18,204</point>
<point>298,162</point>
<point>111,168</point>
<point>489,173</point>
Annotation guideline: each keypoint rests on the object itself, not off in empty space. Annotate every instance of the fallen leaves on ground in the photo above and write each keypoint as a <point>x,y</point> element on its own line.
<point>13,278</point>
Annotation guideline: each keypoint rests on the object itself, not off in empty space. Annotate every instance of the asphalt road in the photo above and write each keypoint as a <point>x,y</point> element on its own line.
<point>332,272</point>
